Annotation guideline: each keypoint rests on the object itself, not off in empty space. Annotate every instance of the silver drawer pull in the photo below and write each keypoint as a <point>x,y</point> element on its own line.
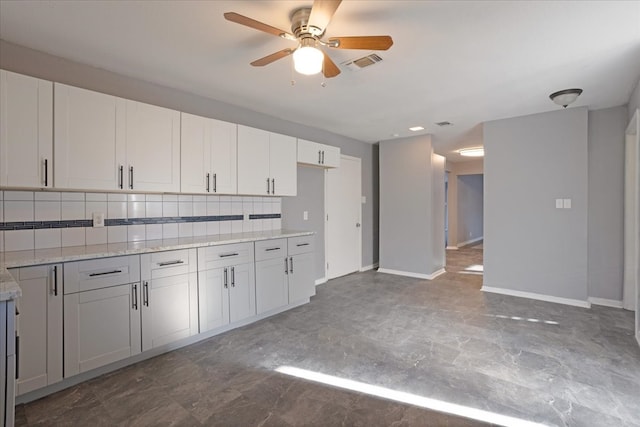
<point>105,273</point>
<point>272,249</point>
<point>162,264</point>
<point>228,255</point>
<point>302,244</point>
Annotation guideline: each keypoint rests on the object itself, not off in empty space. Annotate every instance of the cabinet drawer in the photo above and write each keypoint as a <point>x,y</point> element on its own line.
<point>92,274</point>
<point>269,249</point>
<point>301,245</point>
<point>171,263</point>
<point>224,255</point>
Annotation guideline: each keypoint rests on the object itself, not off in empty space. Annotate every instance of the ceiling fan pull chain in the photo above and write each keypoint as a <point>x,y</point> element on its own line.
<point>293,80</point>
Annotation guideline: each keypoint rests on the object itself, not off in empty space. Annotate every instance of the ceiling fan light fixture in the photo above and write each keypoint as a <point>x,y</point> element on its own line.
<point>308,59</point>
<point>565,97</point>
<point>472,152</point>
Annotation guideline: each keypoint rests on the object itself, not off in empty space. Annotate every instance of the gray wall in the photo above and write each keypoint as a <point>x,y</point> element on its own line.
<point>634,101</point>
<point>406,232</point>
<point>438,257</point>
<point>606,202</point>
<point>456,169</point>
<point>27,61</point>
<point>529,245</point>
<point>470,207</point>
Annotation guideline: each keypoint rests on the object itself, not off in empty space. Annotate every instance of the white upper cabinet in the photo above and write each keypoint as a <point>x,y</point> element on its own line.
<point>153,147</point>
<point>208,155</point>
<point>266,163</point>
<point>313,153</point>
<point>26,131</point>
<point>89,139</point>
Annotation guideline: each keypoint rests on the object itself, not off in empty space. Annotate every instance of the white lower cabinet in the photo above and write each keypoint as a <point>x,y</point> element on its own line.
<point>169,297</point>
<point>39,327</point>
<point>101,312</point>
<point>7,362</point>
<point>301,268</point>
<point>226,282</point>
<point>272,268</point>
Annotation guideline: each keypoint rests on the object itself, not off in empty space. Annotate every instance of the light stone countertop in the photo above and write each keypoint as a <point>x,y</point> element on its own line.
<point>9,289</point>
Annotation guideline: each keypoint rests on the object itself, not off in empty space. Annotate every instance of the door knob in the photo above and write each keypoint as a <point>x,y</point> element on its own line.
<point>357,225</point>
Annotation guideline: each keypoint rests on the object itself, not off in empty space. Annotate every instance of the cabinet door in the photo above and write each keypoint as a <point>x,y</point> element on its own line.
<point>283,164</point>
<point>330,156</point>
<point>26,131</point>
<point>309,152</point>
<point>153,147</point>
<point>213,298</point>
<point>101,327</point>
<point>242,292</point>
<point>169,309</point>
<point>89,147</point>
<point>195,154</point>
<point>301,277</point>
<point>39,326</point>
<point>224,147</point>
<point>272,289</point>
<point>253,161</point>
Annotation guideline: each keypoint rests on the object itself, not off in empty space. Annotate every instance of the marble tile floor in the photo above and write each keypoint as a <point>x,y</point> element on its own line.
<point>443,340</point>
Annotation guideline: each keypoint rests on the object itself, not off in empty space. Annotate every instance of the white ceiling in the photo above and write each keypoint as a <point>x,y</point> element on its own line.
<point>464,62</point>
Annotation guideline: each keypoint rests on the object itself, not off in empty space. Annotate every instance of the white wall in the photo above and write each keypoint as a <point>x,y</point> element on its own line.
<point>634,101</point>
<point>606,202</point>
<point>529,245</point>
<point>408,219</point>
<point>470,208</point>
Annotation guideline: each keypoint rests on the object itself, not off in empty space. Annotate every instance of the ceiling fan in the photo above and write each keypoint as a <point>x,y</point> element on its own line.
<point>308,25</point>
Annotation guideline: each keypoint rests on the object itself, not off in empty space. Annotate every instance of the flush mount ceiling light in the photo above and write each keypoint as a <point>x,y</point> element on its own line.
<point>471,152</point>
<point>308,59</point>
<point>565,97</point>
<point>416,128</point>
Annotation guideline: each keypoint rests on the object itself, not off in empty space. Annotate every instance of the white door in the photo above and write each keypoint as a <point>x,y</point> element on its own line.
<point>242,292</point>
<point>631,300</point>
<point>224,157</point>
<point>343,218</point>
<point>153,147</point>
<point>283,167</point>
<point>213,299</point>
<point>253,161</point>
<point>195,154</point>
<point>272,290</point>
<point>89,143</point>
<point>26,131</point>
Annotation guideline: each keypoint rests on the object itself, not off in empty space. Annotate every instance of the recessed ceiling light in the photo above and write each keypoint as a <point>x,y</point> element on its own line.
<point>416,128</point>
<point>472,152</point>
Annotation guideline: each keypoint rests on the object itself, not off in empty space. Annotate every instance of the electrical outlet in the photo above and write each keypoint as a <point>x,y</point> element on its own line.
<point>566,203</point>
<point>305,215</point>
<point>98,219</point>
<point>559,204</point>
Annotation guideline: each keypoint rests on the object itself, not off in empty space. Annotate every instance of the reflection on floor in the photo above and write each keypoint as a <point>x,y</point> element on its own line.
<point>374,349</point>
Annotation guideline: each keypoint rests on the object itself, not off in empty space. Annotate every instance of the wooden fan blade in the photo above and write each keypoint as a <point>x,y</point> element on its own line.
<point>257,25</point>
<point>321,13</point>
<point>362,42</point>
<point>329,68</point>
<point>271,58</point>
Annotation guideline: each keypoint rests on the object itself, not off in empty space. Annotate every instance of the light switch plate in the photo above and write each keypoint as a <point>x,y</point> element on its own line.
<point>364,199</point>
<point>566,203</point>
<point>98,219</point>
<point>305,215</point>
<point>559,203</point>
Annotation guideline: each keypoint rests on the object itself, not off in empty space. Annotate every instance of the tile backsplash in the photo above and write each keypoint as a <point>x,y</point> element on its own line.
<point>39,220</point>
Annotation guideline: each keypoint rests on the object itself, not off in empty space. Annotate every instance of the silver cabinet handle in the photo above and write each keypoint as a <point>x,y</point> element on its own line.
<point>319,157</point>
<point>323,157</point>
<point>145,294</point>
<point>134,290</point>
<point>17,356</point>
<point>215,182</point>
<point>268,186</point>
<point>105,273</point>
<point>121,182</point>
<point>225,278</point>
<point>273,186</point>
<point>233,277</point>
<point>271,249</point>
<point>286,267</point>
<point>55,281</point>
<point>291,265</point>
<point>208,182</point>
<point>228,255</point>
<point>163,264</point>
<point>302,244</point>
<point>46,172</point>
<point>131,177</point>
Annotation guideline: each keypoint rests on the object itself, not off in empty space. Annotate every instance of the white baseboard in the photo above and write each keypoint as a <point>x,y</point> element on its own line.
<point>468,242</point>
<point>321,281</point>
<point>541,297</point>
<point>606,302</point>
<point>369,267</point>
<point>452,248</point>
<point>410,274</point>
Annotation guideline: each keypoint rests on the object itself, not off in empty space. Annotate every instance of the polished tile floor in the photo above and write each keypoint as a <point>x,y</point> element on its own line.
<point>376,350</point>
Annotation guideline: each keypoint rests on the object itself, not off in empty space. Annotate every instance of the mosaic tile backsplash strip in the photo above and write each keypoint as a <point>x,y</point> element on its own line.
<point>39,220</point>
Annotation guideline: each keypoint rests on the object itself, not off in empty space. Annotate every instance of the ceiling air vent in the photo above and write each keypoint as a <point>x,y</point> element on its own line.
<point>443,124</point>
<point>363,62</point>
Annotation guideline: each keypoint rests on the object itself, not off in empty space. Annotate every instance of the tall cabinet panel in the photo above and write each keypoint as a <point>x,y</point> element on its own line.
<point>224,157</point>
<point>89,139</point>
<point>39,326</point>
<point>26,131</point>
<point>153,147</point>
<point>283,164</point>
<point>253,161</point>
